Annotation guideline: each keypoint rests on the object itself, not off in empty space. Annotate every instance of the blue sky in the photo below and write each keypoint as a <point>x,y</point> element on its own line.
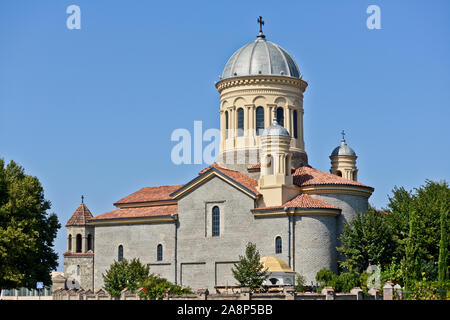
<point>91,111</point>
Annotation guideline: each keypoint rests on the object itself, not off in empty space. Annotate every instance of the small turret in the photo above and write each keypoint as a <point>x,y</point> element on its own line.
<point>275,182</point>
<point>343,161</point>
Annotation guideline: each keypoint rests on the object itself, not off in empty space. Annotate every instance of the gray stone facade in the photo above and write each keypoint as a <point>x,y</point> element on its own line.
<point>193,257</point>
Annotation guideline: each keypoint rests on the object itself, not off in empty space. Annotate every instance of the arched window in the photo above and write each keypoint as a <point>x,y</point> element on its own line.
<point>89,242</point>
<point>215,221</point>
<point>70,243</point>
<point>240,120</point>
<point>79,240</point>
<point>159,252</point>
<point>278,245</point>
<point>338,173</point>
<point>78,270</point>
<point>280,116</point>
<point>226,124</point>
<point>120,253</point>
<point>295,124</point>
<point>259,120</point>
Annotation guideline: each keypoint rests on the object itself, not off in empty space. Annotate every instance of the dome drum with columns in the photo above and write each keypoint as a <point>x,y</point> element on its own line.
<point>260,81</point>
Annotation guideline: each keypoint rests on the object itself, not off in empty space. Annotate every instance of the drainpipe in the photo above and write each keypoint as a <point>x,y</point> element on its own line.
<point>289,238</point>
<point>175,217</point>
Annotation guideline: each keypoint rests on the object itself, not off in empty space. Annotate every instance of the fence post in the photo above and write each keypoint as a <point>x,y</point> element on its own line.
<point>388,291</point>
<point>357,292</point>
<point>328,292</point>
<point>399,291</point>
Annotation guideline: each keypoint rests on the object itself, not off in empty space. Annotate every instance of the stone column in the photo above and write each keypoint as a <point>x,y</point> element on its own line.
<point>287,119</point>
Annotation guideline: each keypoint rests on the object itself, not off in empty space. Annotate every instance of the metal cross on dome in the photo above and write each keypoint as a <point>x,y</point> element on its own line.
<point>343,135</point>
<point>261,23</point>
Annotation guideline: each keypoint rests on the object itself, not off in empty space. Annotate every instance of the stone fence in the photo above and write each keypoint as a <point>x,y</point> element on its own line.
<point>283,293</point>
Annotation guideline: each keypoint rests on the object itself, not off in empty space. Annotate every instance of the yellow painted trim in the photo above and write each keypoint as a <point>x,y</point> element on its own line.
<point>337,189</point>
<point>146,204</point>
<point>297,212</point>
<point>142,220</point>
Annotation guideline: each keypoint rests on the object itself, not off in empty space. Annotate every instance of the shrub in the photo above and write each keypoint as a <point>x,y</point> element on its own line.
<point>156,287</point>
<point>299,283</point>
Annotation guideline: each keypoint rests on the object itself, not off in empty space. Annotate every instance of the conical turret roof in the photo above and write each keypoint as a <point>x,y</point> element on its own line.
<point>80,217</point>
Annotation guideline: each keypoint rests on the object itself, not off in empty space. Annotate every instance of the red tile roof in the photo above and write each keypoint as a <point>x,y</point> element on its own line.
<point>150,194</point>
<point>307,176</point>
<point>139,212</point>
<point>80,216</point>
<point>237,176</point>
<point>302,201</point>
<point>89,253</point>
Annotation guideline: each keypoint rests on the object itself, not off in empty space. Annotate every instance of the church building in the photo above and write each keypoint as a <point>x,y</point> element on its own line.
<point>261,190</point>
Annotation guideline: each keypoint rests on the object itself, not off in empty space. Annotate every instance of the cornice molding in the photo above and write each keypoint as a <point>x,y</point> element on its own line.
<point>249,80</point>
<point>338,189</point>
<point>295,212</point>
<point>139,220</point>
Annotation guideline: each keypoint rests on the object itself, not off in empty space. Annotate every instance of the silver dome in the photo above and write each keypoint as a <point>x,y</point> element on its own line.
<point>343,150</point>
<point>275,130</point>
<point>261,57</point>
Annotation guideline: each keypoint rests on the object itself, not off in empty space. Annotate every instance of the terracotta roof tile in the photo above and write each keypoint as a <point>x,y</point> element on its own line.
<point>302,201</point>
<point>307,176</point>
<point>80,216</point>
<point>237,176</point>
<point>150,194</point>
<point>258,166</point>
<point>139,212</point>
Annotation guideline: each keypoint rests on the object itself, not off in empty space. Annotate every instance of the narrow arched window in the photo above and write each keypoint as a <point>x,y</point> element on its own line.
<point>70,243</point>
<point>240,120</point>
<point>159,252</point>
<point>338,173</point>
<point>120,253</point>
<point>295,124</point>
<point>78,270</point>
<point>89,242</point>
<point>226,124</point>
<point>79,240</point>
<point>280,116</point>
<point>259,120</point>
<point>215,221</point>
<point>278,245</point>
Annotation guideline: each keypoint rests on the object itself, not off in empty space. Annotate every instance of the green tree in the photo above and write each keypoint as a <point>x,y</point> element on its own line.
<point>124,274</point>
<point>399,208</point>
<point>27,231</point>
<point>366,240</point>
<point>422,245</point>
<point>249,271</point>
<point>443,247</point>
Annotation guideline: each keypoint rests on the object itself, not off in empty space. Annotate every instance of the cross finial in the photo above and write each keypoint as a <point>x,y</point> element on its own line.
<point>343,135</point>
<point>261,23</point>
<point>82,199</point>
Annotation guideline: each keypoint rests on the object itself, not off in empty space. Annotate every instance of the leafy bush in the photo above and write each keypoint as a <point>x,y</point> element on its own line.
<point>156,287</point>
<point>343,282</point>
<point>124,274</point>
<point>299,283</point>
<point>428,290</point>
